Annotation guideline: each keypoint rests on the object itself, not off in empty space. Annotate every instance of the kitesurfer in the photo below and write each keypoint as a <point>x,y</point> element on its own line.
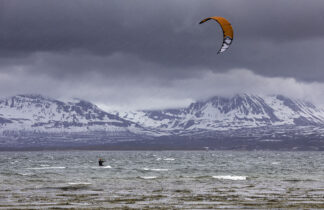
<point>100,162</point>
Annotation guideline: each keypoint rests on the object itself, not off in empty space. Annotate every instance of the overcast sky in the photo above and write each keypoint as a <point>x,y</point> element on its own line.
<point>145,54</point>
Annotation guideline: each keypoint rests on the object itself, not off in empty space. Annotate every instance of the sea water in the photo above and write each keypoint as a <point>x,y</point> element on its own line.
<point>161,179</point>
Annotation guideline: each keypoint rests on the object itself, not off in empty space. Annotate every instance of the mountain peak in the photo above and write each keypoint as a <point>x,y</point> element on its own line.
<point>34,114</point>
<point>236,112</point>
<point>34,111</point>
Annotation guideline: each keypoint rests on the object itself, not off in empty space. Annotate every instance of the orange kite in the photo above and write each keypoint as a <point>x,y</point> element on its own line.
<point>227,31</point>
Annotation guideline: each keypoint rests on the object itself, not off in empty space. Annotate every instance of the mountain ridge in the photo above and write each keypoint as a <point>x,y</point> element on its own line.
<point>43,121</point>
<point>239,111</point>
<point>36,111</point>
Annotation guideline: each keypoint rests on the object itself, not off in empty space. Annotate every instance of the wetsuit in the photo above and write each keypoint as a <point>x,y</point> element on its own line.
<point>100,162</point>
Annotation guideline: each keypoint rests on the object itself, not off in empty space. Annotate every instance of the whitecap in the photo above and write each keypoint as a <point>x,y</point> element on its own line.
<point>44,165</point>
<point>79,183</point>
<point>230,177</point>
<point>101,166</point>
<point>159,169</point>
<point>155,169</point>
<point>80,204</point>
<point>169,159</point>
<point>42,168</point>
<point>148,177</point>
<point>25,174</point>
<point>275,163</point>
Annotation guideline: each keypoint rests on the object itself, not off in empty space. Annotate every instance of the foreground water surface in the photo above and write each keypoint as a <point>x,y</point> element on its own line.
<point>161,180</point>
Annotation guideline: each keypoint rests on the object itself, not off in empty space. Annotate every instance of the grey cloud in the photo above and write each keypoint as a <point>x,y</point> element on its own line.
<point>156,43</point>
<point>132,94</point>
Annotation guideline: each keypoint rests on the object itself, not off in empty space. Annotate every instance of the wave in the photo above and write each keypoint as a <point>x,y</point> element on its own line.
<point>148,177</point>
<point>44,168</point>
<point>75,186</point>
<point>101,166</point>
<point>26,174</point>
<point>155,169</point>
<point>230,177</point>
<point>79,183</point>
<point>159,169</point>
<point>299,180</point>
<point>70,186</point>
<point>166,159</point>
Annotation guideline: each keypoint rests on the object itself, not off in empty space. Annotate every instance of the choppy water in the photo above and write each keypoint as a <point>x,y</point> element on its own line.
<point>165,180</point>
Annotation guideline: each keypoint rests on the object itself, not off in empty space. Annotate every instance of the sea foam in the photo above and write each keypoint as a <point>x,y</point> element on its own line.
<point>148,177</point>
<point>101,166</point>
<point>155,169</point>
<point>43,168</point>
<point>79,183</point>
<point>230,177</point>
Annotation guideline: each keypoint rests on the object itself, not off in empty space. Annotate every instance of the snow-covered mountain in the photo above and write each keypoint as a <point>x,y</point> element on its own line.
<point>240,111</point>
<point>42,122</point>
<point>42,114</point>
<point>240,122</point>
<point>38,113</point>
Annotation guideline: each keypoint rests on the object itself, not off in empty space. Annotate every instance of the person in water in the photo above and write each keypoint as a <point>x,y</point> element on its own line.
<point>100,162</point>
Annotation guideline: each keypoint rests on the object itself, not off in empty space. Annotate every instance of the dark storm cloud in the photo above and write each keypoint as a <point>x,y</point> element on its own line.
<point>143,52</point>
<point>269,35</point>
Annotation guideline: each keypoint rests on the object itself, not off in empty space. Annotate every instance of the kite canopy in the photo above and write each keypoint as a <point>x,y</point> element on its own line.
<point>227,31</point>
